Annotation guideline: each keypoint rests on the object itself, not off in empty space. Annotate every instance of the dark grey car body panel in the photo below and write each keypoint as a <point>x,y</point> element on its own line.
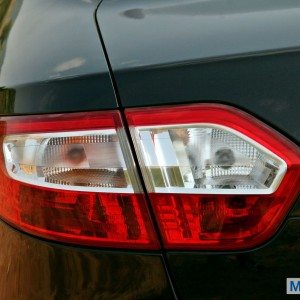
<point>51,59</point>
<point>243,53</point>
<point>35,269</point>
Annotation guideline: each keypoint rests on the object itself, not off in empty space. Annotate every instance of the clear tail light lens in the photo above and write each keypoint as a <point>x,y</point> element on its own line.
<point>207,159</point>
<point>71,178</point>
<point>217,177</point>
<point>84,161</point>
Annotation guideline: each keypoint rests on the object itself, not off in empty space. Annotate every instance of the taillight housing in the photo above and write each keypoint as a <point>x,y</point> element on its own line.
<point>218,179</point>
<point>72,178</point>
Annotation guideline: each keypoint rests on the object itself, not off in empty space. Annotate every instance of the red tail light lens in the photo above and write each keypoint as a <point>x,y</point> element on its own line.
<point>218,179</point>
<point>71,178</point>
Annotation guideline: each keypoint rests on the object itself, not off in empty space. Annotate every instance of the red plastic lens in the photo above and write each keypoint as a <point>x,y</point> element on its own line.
<point>221,221</point>
<point>102,219</point>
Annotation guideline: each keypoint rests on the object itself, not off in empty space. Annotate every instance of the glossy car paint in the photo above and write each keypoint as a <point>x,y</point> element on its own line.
<point>243,53</point>
<point>51,59</point>
<point>34,269</point>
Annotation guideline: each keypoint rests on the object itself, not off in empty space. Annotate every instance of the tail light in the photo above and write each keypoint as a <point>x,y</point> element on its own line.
<point>72,178</point>
<point>218,179</point>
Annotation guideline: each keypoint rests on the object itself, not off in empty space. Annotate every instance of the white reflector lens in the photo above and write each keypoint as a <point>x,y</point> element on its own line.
<point>206,158</point>
<point>82,160</point>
